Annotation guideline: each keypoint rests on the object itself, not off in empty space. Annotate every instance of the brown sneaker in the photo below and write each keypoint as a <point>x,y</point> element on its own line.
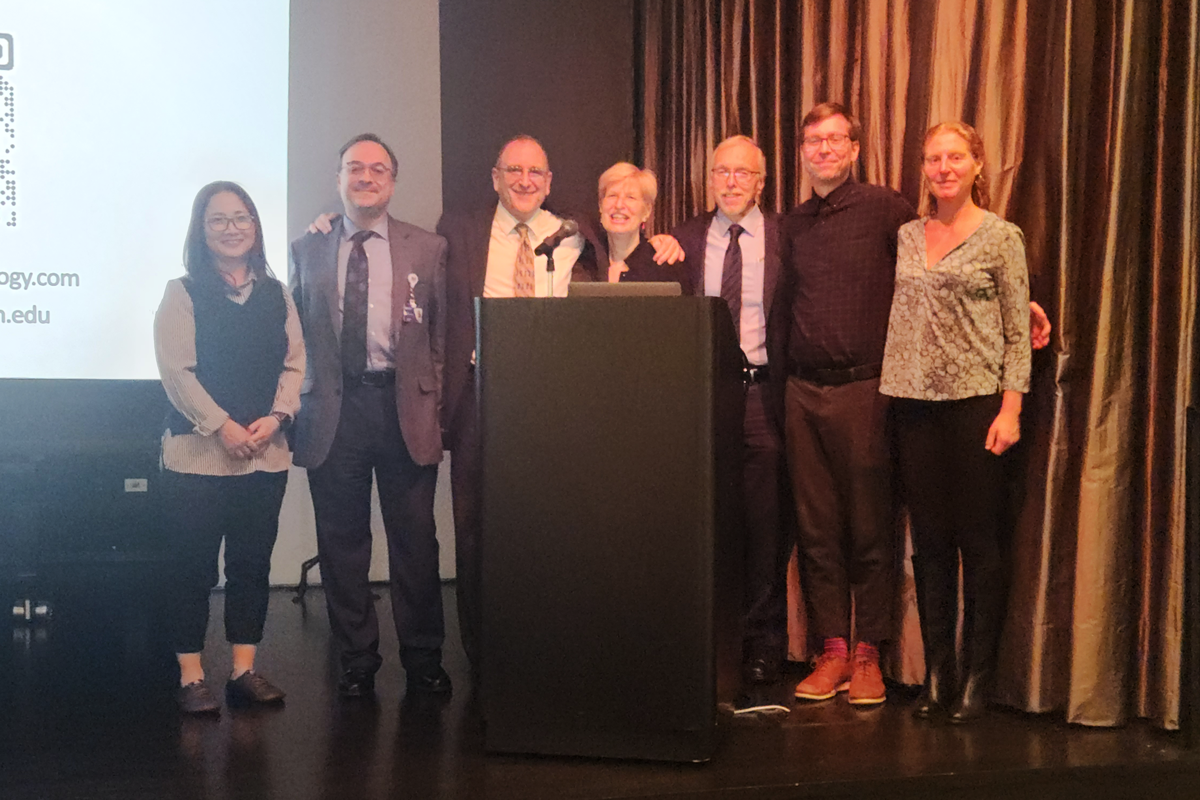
<point>866,682</point>
<point>830,676</point>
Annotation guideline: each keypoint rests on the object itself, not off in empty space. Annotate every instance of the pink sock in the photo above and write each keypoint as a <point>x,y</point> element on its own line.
<point>867,651</point>
<point>837,647</point>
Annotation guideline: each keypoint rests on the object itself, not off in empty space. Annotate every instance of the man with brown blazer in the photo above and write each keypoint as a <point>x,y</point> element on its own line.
<point>371,299</point>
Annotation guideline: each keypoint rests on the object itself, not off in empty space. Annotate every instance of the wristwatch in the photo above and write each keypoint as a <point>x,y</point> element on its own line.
<point>285,419</point>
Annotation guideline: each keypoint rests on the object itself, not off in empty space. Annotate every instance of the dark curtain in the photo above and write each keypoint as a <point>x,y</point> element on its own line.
<point>1090,113</point>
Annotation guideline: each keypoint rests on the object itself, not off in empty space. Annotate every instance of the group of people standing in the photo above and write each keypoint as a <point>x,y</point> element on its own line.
<point>847,302</point>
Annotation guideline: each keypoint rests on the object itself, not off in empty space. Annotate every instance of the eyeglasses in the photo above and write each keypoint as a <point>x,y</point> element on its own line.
<point>243,222</point>
<point>515,173</point>
<point>836,140</point>
<point>742,176</point>
<point>954,158</point>
<point>357,169</point>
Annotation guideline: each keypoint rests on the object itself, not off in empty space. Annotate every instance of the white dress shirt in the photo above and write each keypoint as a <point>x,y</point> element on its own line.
<point>502,255</point>
<point>752,328</point>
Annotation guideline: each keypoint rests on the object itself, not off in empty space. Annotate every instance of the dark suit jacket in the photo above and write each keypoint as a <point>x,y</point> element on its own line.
<point>418,347</point>
<point>693,236</point>
<point>468,237</point>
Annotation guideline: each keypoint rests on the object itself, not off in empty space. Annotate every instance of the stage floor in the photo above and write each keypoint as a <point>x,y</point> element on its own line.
<point>86,712</point>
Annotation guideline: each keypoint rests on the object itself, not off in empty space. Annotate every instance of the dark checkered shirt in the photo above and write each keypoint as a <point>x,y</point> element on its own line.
<point>842,257</point>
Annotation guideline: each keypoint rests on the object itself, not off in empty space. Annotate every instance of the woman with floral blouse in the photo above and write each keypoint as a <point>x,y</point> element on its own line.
<point>957,362</point>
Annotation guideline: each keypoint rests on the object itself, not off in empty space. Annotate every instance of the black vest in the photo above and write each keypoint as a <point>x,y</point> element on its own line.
<point>239,350</point>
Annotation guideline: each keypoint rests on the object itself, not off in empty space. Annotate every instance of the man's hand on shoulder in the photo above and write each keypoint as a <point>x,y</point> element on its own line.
<point>667,249</point>
<point>323,223</point>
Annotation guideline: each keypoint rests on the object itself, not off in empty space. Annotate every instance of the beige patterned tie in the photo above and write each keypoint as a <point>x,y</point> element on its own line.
<point>523,272</point>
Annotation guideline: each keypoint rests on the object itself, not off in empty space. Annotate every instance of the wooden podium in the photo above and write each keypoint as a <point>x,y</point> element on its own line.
<point>611,549</point>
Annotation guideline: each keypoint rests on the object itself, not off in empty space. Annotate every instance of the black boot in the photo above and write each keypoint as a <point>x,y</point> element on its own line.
<point>937,604</point>
<point>983,618</point>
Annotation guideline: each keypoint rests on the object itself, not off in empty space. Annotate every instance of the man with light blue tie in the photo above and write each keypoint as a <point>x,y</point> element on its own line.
<point>371,298</point>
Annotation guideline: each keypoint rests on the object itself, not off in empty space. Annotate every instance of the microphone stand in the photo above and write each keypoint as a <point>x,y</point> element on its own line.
<point>550,274</point>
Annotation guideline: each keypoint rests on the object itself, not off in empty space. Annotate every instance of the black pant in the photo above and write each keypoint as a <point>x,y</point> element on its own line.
<point>202,510</point>
<point>369,443</point>
<point>769,527</point>
<point>466,487</point>
<point>955,489</point>
<point>839,456</point>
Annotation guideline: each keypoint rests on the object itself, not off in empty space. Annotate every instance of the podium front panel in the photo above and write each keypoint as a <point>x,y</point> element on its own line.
<point>610,431</point>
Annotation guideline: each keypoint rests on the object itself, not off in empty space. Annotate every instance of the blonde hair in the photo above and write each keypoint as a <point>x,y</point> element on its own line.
<point>979,190</point>
<point>623,171</point>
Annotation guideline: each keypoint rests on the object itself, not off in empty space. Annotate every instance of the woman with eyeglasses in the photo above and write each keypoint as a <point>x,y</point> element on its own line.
<point>229,349</point>
<point>957,362</point>
<point>627,196</point>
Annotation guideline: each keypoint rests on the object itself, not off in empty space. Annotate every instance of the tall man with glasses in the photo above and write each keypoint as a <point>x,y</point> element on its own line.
<point>491,255</point>
<point>842,263</point>
<point>371,298</point>
<point>735,253</point>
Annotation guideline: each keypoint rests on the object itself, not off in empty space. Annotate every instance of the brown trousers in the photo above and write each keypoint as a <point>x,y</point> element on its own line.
<point>840,460</point>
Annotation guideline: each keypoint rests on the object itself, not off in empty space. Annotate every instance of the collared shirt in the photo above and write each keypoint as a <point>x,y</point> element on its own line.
<point>502,255</point>
<point>201,452</point>
<point>843,263</point>
<point>379,290</point>
<point>959,328</point>
<point>752,328</point>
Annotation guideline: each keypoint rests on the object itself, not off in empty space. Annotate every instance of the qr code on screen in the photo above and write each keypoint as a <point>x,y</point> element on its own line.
<point>8,134</point>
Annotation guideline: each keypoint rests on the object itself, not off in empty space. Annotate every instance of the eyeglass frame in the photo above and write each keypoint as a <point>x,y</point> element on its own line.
<point>209,223</point>
<point>515,173</point>
<point>813,143</point>
<point>377,169</point>
<point>742,176</point>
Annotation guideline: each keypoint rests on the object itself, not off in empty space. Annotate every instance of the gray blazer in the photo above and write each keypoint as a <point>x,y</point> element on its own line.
<point>418,347</point>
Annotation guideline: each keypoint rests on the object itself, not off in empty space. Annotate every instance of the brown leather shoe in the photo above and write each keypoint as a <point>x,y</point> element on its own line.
<point>830,676</point>
<point>250,688</point>
<point>195,698</point>
<point>866,682</point>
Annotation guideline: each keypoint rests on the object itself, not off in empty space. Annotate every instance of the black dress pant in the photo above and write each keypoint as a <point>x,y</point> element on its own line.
<point>956,490</point>
<point>466,489</point>
<point>201,511</point>
<point>769,529</point>
<point>839,456</point>
<point>369,443</point>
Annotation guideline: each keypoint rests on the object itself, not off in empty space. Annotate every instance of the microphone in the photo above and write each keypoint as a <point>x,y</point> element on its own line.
<point>565,231</point>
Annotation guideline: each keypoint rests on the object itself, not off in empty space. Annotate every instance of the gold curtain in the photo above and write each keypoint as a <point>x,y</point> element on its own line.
<point>1090,113</point>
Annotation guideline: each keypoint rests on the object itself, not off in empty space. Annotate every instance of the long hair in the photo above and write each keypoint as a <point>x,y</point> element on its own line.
<point>979,190</point>
<point>198,261</point>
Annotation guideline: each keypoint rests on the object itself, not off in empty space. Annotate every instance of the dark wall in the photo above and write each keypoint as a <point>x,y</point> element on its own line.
<point>559,71</point>
<point>67,448</point>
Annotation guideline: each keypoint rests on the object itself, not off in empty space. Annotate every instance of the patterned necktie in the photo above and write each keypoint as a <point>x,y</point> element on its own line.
<point>354,308</point>
<point>523,270</point>
<point>731,277</point>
